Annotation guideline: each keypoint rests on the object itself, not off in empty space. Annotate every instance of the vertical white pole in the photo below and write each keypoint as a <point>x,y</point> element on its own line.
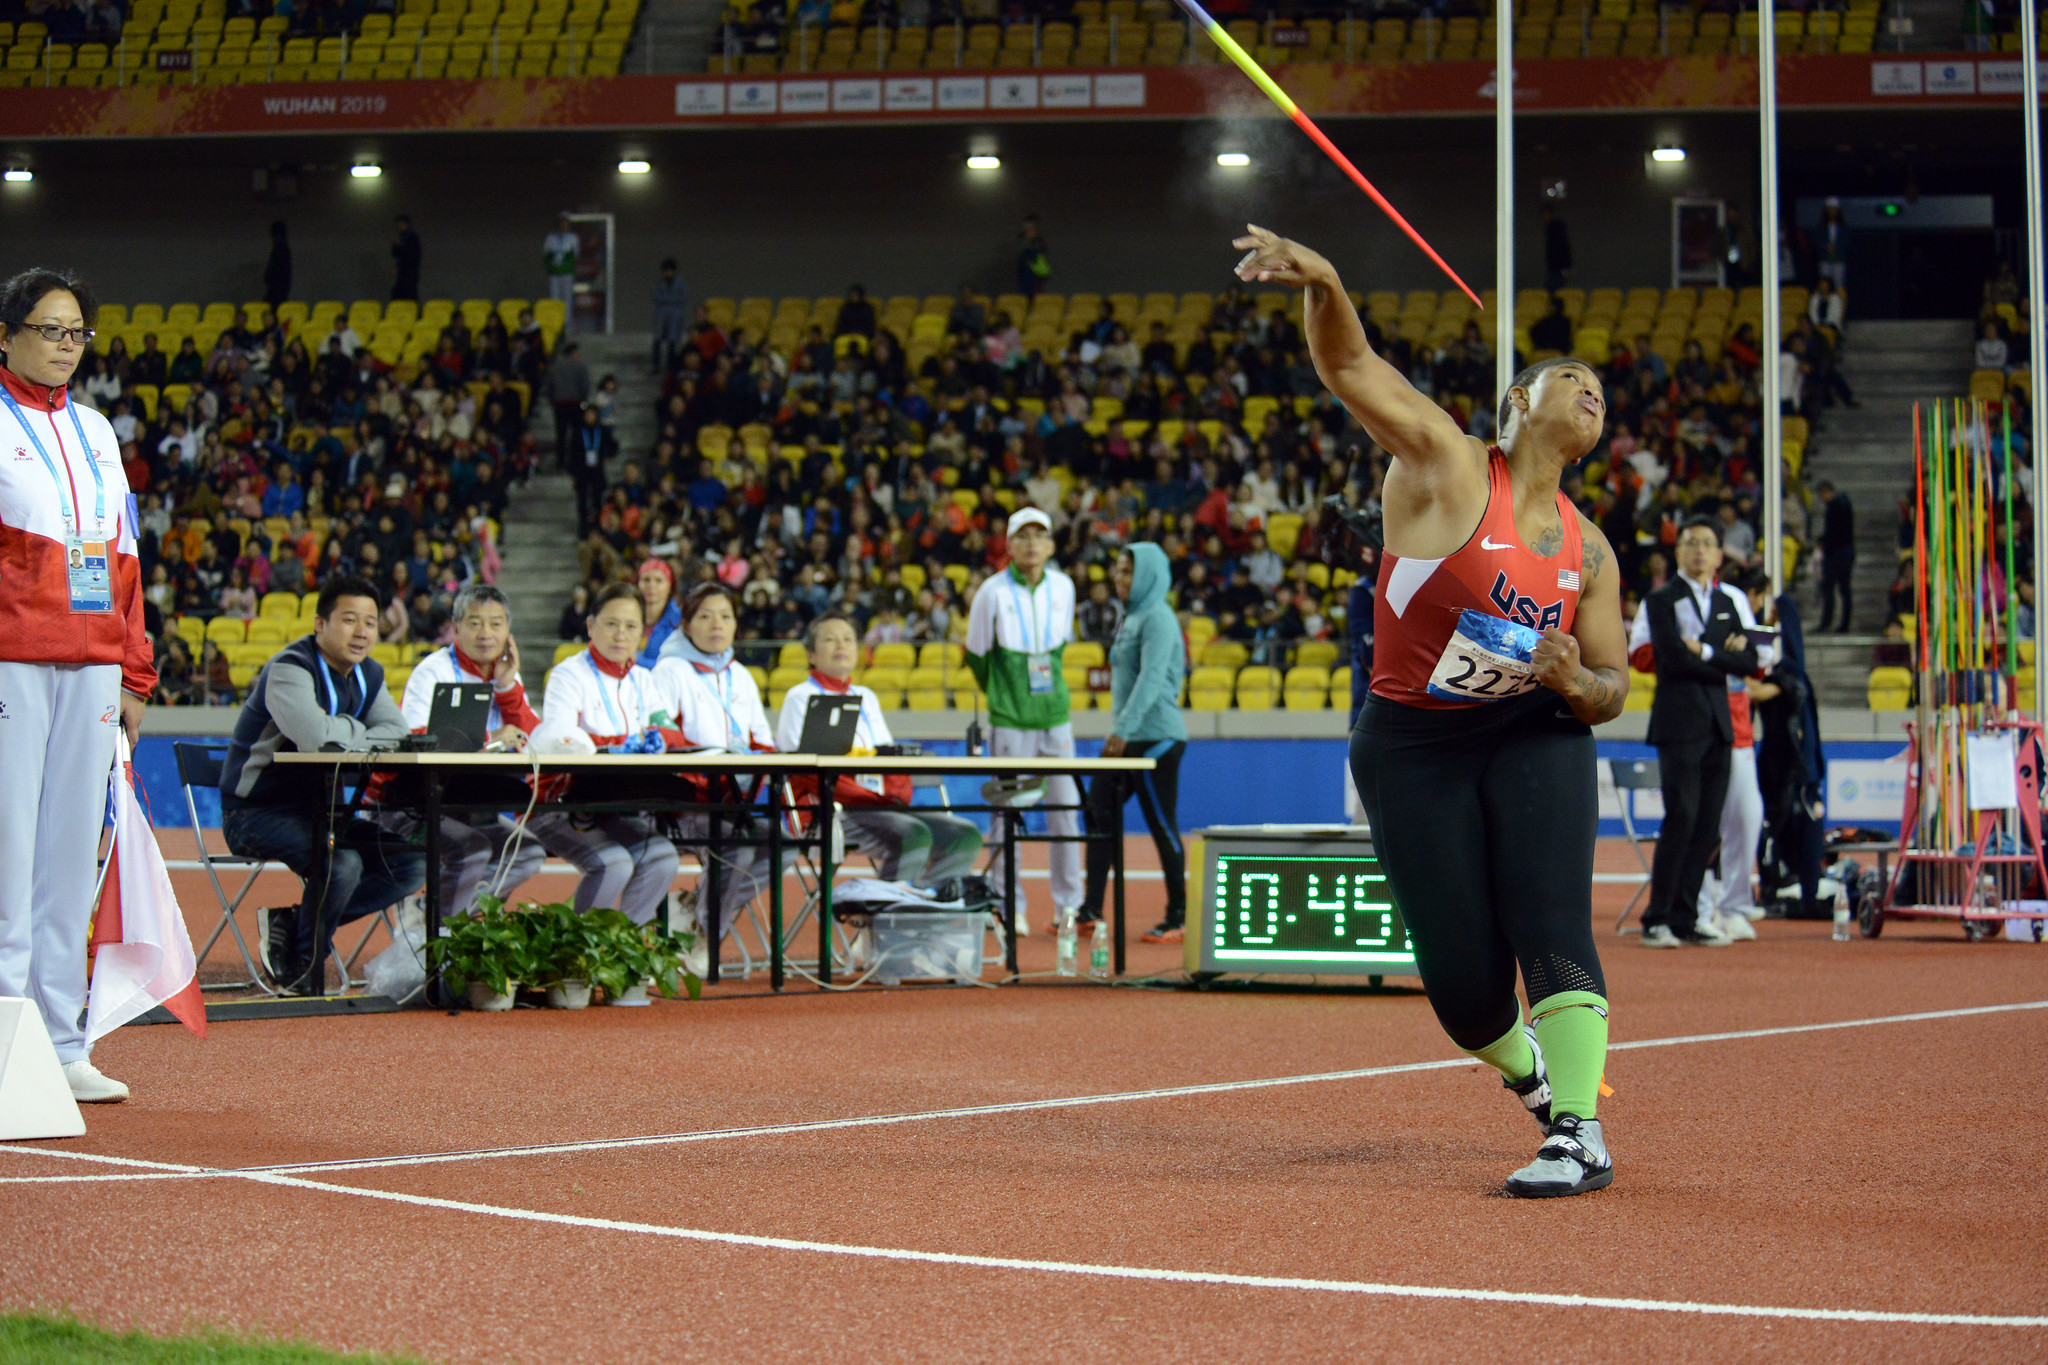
<point>2037,337</point>
<point>1504,195</point>
<point>1767,246</point>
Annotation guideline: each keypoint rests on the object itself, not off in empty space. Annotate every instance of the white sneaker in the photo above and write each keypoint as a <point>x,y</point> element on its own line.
<point>88,1086</point>
<point>1707,934</point>
<point>1660,936</point>
<point>1736,926</point>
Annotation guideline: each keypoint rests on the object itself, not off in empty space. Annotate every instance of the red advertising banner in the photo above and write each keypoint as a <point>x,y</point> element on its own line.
<point>1323,89</point>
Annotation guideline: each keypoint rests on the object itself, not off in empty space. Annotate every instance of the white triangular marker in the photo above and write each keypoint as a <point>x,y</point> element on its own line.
<point>35,1100</point>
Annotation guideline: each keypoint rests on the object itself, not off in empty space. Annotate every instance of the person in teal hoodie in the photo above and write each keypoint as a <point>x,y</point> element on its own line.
<point>1148,663</point>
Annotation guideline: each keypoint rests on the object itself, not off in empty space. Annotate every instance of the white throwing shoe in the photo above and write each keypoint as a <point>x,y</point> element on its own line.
<point>1736,926</point>
<point>89,1086</point>
<point>1660,936</point>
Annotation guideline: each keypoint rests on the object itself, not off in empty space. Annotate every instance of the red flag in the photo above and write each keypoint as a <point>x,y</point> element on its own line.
<point>142,954</point>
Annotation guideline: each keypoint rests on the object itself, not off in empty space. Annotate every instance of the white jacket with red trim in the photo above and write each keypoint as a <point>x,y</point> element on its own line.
<point>508,698</point>
<point>37,625</point>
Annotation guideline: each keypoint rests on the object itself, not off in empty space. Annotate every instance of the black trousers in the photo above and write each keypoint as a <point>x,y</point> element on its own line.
<point>1484,818</point>
<point>1695,787</point>
<point>568,421</point>
<point>1158,794</point>
<point>1836,570</point>
<point>589,496</point>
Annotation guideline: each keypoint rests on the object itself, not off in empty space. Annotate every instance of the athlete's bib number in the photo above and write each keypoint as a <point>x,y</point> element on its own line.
<point>1486,659</point>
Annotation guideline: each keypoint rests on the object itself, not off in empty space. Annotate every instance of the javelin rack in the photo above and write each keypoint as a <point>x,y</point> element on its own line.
<point>1977,867</point>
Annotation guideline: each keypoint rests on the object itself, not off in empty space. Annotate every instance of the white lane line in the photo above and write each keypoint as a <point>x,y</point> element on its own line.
<point>172,1171</point>
<point>1400,1291</point>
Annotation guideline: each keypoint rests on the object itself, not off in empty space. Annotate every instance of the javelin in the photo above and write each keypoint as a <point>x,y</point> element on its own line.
<point>1288,107</point>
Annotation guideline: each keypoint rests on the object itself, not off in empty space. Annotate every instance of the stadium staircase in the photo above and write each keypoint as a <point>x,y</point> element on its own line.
<point>674,35</point>
<point>1866,453</point>
<point>540,518</point>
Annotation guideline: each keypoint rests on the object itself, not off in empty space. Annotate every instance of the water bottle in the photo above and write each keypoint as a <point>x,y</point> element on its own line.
<point>1064,936</point>
<point>1098,951</point>
<point>1842,918</point>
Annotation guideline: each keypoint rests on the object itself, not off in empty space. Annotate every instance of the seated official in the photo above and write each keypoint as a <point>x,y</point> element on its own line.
<point>717,706</point>
<point>919,845</point>
<point>324,690</point>
<point>484,651</point>
<point>602,699</point>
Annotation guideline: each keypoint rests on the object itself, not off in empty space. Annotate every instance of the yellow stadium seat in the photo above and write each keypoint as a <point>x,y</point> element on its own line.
<point>1305,698</point>
<point>1086,653</point>
<point>1890,689</point>
<point>278,605</point>
<point>568,649</point>
<point>1340,686</point>
<point>191,630</point>
<point>1987,385</point>
<point>941,655</point>
<point>926,699</point>
<point>1319,652</point>
<point>1209,699</point>
<point>1283,532</point>
<point>889,698</point>
<point>1225,654</point>
<point>227,630</point>
<point>792,655</point>
<point>270,630</point>
<point>886,679</point>
<point>386,655</point>
<point>783,677</point>
<point>893,656</point>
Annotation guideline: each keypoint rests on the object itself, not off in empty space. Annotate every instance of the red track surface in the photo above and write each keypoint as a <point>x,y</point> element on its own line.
<point>1886,1169</point>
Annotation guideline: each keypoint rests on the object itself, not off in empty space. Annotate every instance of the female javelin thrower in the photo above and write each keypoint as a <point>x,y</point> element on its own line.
<point>1497,643</point>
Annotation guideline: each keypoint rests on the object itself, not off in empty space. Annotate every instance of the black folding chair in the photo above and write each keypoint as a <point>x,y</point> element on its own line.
<point>1632,775</point>
<point>199,765</point>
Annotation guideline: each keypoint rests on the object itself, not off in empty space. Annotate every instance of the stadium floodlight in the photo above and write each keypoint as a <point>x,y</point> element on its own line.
<point>366,170</point>
<point>983,161</point>
<point>1668,154</point>
<point>1233,159</point>
<point>634,166</point>
<point>18,175</point>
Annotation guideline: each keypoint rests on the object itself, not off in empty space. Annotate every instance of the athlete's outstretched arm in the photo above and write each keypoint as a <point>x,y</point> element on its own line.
<point>1589,667</point>
<point>1407,424</point>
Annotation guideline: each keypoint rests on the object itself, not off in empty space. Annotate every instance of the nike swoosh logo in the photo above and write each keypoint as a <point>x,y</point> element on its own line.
<point>1486,543</point>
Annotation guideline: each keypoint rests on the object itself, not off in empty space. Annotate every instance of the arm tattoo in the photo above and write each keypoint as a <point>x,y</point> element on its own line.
<point>1550,542</point>
<point>1597,696</point>
<point>1593,557</point>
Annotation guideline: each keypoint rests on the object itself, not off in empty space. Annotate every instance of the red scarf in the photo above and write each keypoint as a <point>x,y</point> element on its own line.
<point>32,395</point>
<point>839,685</point>
<point>471,666</point>
<point>607,667</point>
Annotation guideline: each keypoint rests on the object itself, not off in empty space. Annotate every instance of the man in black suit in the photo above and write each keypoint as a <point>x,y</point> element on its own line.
<point>1699,644</point>
<point>1837,554</point>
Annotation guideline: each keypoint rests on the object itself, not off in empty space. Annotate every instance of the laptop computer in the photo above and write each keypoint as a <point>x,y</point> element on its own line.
<point>829,725</point>
<point>461,717</point>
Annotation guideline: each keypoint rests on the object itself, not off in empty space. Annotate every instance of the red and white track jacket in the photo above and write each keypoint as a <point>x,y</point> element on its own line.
<point>508,699</point>
<point>37,625</point>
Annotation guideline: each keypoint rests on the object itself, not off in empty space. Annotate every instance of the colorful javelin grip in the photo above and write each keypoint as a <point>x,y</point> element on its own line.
<point>1287,106</point>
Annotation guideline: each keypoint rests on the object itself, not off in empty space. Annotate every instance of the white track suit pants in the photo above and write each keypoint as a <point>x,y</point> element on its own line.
<point>57,724</point>
<point>1742,824</point>
<point>1068,891</point>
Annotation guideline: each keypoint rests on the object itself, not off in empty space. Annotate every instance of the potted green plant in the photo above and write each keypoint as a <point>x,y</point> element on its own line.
<point>486,951</point>
<point>566,949</point>
<point>627,959</point>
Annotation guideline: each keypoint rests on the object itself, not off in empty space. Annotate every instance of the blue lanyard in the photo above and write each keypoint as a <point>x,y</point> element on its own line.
<point>99,484</point>
<point>611,712</point>
<point>722,694</point>
<point>1032,633</point>
<point>334,692</point>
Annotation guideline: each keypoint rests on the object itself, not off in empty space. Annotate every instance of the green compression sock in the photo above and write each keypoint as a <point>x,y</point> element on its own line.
<point>1510,1053</point>
<point>1571,1027</point>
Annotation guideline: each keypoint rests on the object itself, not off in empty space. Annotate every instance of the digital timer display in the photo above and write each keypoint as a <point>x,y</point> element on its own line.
<point>1312,913</point>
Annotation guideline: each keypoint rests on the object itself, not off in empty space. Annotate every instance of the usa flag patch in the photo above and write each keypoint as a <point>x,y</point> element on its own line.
<point>1568,579</point>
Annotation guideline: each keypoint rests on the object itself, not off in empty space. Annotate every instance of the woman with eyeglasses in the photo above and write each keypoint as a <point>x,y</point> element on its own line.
<point>75,660</point>
<point>603,699</point>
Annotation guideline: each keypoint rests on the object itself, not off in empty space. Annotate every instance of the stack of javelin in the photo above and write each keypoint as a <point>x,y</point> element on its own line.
<point>1967,602</point>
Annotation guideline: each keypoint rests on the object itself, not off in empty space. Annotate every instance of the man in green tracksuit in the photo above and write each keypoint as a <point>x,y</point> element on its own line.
<point>1017,633</point>
<point>1148,661</point>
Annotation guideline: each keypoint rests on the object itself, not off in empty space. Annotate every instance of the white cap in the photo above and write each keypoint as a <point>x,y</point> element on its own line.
<point>1029,516</point>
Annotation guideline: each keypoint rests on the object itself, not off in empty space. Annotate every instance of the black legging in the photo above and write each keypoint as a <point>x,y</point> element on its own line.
<point>1484,819</point>
<point>1158,794</point>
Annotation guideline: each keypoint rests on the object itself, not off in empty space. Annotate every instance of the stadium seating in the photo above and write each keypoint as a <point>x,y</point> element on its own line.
<point>191,42</point>
<point>1116,33</point>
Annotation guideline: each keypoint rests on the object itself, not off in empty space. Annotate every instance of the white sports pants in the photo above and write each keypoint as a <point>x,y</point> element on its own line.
<point>57,724</point>
<point>1742,824</point>
<point>1068,890</point>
